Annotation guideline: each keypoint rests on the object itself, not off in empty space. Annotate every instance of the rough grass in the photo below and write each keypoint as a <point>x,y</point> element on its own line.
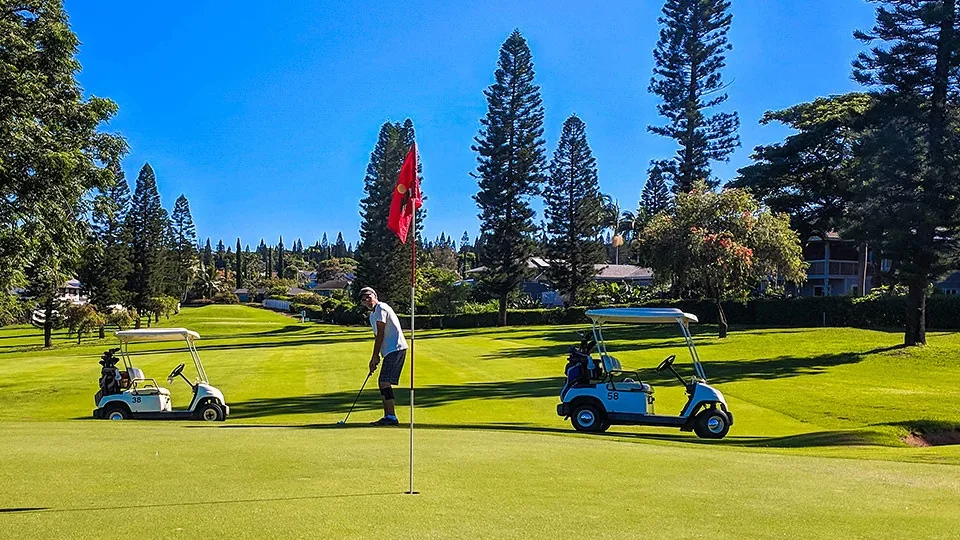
<point>493,459</point>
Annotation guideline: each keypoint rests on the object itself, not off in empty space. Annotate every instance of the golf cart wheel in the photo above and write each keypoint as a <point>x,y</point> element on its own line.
<point>210,412</point>
<point>711,424</point>
<point>116,412</point>
<point>589,418</point>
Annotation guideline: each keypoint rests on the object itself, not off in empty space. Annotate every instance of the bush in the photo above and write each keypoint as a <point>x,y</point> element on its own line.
<point>309,299</point>
<point>225,297</point>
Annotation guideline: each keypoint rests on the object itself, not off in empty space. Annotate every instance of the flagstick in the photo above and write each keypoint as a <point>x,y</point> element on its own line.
<point>413,288</point>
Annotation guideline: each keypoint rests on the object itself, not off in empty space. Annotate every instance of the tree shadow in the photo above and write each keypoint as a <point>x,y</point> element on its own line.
<point>830,438</point>
<point>428,396</point>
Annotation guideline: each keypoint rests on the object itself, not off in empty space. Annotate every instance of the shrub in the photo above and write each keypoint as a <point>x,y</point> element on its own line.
<point>225,297</point>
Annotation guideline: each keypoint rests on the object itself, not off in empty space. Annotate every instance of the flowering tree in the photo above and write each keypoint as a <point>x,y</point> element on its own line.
<point>720,245</point>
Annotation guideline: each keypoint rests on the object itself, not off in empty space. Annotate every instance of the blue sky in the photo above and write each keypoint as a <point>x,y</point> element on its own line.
<point>265,118</point>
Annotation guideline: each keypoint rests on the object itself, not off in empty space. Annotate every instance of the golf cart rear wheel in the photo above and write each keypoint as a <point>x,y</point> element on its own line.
<point>210,412</point>
<point>589,418</point>
<point>711,424</point>
<point>116,412</point>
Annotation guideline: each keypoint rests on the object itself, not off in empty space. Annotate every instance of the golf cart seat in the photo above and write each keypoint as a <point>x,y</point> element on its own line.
<point>630,385</point>
<point>137,378</point>
<point>613,367</point>
<point>610,363</point>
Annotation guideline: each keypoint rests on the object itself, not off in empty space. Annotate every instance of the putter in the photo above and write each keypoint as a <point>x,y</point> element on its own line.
<point>344,421</point>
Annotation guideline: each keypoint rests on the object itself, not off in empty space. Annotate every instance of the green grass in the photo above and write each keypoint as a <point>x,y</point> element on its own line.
<point>816,450</point>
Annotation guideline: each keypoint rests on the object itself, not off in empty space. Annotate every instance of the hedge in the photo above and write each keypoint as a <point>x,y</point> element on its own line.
<point>943,313</point>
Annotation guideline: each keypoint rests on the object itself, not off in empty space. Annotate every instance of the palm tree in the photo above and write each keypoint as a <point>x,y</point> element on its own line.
<point>618,221</point>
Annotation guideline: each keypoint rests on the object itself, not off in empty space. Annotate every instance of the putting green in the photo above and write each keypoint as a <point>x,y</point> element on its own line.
<point>816,450</point>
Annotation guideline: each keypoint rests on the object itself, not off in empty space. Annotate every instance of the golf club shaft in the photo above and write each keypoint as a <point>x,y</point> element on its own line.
<point>358,397</point>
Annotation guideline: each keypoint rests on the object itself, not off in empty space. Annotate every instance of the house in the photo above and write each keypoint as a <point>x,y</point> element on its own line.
<point>539,287</point>
<point>950,284</point>
<point>72,291</point>
<point>836,267</point>
<point>327,288</point>
<point>624,273</point>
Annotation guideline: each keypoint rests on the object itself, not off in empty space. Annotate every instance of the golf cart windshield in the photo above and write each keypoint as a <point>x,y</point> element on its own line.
<point>646,316</point>
<point>127,337</point>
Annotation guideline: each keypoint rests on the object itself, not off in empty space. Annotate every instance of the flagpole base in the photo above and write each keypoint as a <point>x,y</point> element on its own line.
<point>411,492</point>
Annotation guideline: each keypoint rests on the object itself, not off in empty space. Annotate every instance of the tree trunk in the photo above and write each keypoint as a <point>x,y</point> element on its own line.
<point>48,325</point>
<point>102,334</point>
<point>721,320</point>
<point>137,324</point>
<point>916,333</point>
<point>502,315</point>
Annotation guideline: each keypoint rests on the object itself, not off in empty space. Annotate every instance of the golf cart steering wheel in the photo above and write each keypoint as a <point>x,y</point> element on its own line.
<point>176,372</point>
<point>667,362</point>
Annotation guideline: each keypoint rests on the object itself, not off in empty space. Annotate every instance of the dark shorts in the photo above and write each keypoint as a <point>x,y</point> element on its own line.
<point>392,366</point>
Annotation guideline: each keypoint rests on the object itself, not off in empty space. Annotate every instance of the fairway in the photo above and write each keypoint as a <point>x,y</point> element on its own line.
<point>816,450</point>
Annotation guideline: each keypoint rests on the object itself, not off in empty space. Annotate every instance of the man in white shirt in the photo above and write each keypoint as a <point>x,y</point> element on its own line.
<point>389,344</point>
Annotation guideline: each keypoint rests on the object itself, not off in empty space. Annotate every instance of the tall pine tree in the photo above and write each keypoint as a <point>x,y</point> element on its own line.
<point>911,203</point>
<point>146,223</point>
<point>571,200</point>
<point>510,162</point>
<point>689,57</point>
<point>382,261</point>
<point>207,256</point>
<point>239,270</point>
<point>280,259</point>
<point>106,259</point>
<point>655,197</point>
<point>184,254</point>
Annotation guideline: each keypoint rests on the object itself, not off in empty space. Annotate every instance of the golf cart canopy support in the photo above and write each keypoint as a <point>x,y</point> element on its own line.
<point>646,316</point>
<point>127,337</point>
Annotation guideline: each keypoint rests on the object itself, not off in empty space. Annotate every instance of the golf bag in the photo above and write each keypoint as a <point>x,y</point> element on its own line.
<point>580,367</point>
<point>109,375</point>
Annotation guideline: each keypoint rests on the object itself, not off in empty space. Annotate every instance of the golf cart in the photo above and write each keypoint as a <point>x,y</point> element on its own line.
<point>130,394</point>
<point>599,393</point>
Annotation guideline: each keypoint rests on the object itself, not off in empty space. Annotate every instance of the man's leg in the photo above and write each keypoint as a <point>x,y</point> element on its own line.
<point>386,396</point>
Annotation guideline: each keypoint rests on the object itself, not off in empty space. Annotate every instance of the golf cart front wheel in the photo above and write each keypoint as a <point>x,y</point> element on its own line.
<point>210,412</point>
<point>588,418</point>
<point>711,424</point>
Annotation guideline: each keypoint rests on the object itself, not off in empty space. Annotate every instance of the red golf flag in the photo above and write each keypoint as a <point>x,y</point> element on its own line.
<point>406,196</point>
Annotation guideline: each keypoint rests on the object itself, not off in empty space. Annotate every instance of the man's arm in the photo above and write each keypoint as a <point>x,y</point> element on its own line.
<point>377,343</point>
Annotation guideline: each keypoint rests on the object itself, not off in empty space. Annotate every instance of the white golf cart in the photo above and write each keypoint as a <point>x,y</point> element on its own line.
<point>130,394</point>
<point>598,393</point>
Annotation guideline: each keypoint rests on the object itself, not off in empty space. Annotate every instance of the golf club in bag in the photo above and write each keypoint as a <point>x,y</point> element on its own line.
<point>344,421</point>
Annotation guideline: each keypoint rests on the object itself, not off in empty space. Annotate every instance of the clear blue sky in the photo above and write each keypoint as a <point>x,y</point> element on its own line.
<point>265,118</point>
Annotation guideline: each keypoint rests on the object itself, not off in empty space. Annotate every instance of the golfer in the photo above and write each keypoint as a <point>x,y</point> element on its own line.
<point>389,344</point>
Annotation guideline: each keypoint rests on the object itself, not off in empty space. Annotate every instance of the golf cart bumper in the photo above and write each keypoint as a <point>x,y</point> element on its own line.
<point>563,410</point>
<point>98,413</point>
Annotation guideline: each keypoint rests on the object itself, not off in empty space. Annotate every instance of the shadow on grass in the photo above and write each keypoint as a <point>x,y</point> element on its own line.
<point>860,437</point>
<point>432,396</point>
<point>428,396</point>
<point>218,502</point>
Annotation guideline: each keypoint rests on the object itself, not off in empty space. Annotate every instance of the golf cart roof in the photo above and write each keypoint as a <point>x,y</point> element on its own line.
<point>157,334</point>
<point>641,315</point>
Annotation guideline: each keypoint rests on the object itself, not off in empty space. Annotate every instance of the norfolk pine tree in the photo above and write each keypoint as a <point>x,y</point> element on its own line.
<point>571,200</point>
<point>106,259</point>
<point>510,163</point>
<point>688,59</point>
<point>184,240</point>
<point>382,261</point>
<point>912,152</point>
<point>146,223</point>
